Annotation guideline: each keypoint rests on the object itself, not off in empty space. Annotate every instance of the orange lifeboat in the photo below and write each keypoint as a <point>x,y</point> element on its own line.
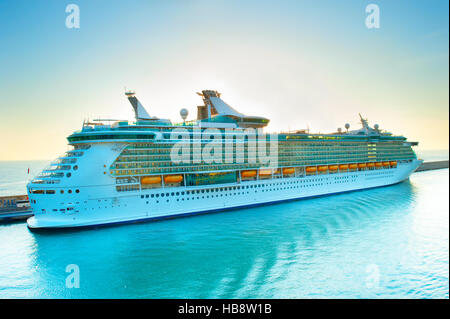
<point>378,164</point>
<point>353,166</point>
<point>322,168</point>
<point>386,164</point>
<point>288,170</point>
<point>311,169</point>
<point>265,172</point>
<point>393,163</point>
<point>362,165</point>
<point>343,167</point>
<point>247,174</point>
<point>370,164</point>
<point>169,179</point>
<point>146,180</point>
<point>333,167</point>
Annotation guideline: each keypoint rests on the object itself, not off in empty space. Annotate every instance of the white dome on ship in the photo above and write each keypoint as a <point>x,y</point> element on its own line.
<point>184,113</point>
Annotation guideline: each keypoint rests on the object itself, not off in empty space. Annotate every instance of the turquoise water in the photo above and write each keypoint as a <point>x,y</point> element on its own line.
<point>390,242</point>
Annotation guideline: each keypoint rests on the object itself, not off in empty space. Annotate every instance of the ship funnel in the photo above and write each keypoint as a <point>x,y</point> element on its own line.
<point>139,111</point>
<point>216,107</point>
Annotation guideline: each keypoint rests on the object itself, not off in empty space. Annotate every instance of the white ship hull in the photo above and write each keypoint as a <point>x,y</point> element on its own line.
<point>101,204</point>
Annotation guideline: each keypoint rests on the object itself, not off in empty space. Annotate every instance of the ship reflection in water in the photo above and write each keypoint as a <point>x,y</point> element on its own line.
<point>387,242</point>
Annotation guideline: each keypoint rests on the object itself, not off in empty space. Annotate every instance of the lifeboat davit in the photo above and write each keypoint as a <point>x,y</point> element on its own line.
<point>311,169</point>
<point>288,170</point>
<point>170,179</point>
<point>343,167</point>
<point>146,180</point>
<point>247,174</point>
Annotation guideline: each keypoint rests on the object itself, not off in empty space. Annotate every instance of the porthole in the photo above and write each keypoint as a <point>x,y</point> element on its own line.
<point>70,191</point>
<point>69,174</point>
<point>77,191</point>
<point>75,167</point>
<point>62,191</point>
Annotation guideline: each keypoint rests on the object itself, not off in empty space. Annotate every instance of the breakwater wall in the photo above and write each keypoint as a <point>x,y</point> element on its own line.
<point>426,166</point>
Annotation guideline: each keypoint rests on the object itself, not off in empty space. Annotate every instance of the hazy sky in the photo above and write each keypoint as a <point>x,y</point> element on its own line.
<point>300,63</point>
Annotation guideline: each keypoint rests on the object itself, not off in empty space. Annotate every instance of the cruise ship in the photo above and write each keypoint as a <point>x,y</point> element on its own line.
<point>120,171</point>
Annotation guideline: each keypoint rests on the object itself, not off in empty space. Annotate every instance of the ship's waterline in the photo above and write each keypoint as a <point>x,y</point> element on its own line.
<point>153,169</point>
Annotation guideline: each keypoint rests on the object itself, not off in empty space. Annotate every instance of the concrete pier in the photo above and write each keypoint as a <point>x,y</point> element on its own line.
<point>15,215</point>
<point>14,207</point>
<point>426,166</point>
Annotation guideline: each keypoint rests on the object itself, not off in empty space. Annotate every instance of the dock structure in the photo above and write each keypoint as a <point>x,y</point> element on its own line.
<point>15,215</point>
<point>14,207</point>
<point>427,166</point>
<point>18,207</point>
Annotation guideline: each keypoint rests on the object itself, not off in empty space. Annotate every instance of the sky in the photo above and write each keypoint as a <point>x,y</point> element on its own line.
<point>303,64</point>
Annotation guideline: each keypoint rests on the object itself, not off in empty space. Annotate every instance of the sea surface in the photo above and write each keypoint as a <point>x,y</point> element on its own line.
<point>390,242</point>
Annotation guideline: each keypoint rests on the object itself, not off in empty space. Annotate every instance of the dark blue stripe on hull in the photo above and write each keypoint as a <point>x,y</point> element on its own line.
<point>159,218</point>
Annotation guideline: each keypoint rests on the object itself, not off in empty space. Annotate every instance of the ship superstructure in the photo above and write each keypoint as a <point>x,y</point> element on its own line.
<point>121,171</point>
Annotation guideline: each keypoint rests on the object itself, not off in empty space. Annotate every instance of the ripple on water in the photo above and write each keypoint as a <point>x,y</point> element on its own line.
<point>389,242</point>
